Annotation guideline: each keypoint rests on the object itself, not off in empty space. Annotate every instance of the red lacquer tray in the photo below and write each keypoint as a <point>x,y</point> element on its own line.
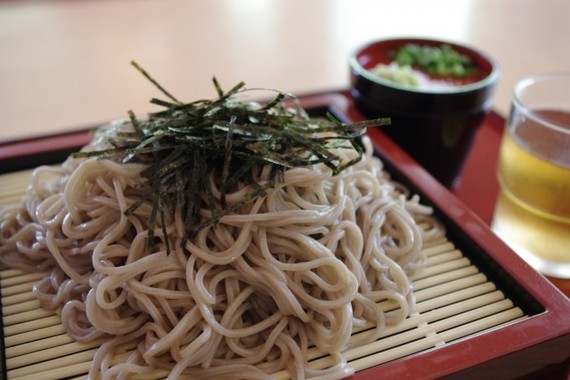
<point>536,347</point>
<point>469,205</point>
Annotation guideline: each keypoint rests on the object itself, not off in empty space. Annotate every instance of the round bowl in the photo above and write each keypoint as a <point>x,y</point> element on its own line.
<point>434,122</point>
<point>377,93</point>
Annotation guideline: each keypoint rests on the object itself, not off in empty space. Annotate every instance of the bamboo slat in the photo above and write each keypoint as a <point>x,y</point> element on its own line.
<point>455,300</point>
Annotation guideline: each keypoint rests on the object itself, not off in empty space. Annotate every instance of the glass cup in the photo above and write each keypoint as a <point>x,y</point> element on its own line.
<point>532,214</point>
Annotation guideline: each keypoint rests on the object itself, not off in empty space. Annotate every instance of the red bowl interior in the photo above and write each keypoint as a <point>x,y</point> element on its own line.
<point>379,52</point>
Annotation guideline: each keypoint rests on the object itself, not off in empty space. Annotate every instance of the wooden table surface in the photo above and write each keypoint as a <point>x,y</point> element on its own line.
<point>65,64</point>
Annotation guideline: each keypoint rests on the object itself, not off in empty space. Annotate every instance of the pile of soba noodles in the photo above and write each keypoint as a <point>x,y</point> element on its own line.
<point>284,277</point>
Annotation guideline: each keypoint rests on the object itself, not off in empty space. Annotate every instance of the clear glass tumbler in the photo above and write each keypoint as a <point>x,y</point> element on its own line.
<point>532,214</point>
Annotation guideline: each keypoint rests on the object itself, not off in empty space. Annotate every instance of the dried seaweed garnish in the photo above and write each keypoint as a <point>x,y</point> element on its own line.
<point>187,145</point>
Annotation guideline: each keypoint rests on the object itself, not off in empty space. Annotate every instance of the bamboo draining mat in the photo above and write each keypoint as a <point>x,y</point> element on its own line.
<point>454,301</point>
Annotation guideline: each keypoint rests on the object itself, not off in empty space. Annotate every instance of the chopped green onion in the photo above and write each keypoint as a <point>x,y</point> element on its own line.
<point>435,60</point>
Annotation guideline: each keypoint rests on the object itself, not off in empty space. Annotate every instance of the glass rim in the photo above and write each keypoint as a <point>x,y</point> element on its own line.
<point>529,112</point>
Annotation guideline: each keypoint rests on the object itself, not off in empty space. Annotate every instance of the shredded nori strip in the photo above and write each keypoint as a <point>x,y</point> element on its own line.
<point>186,143</point>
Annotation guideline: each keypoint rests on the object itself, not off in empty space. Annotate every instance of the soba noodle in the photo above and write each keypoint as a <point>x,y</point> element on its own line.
<point>303,266</point>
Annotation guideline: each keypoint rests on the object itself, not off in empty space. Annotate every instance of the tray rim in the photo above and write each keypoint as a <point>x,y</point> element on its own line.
<point>551,323</point>
<point>549,326</point>
<point>505,347</point>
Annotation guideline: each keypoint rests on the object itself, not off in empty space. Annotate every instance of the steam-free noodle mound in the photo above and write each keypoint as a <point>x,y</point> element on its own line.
<point>295,271</point>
